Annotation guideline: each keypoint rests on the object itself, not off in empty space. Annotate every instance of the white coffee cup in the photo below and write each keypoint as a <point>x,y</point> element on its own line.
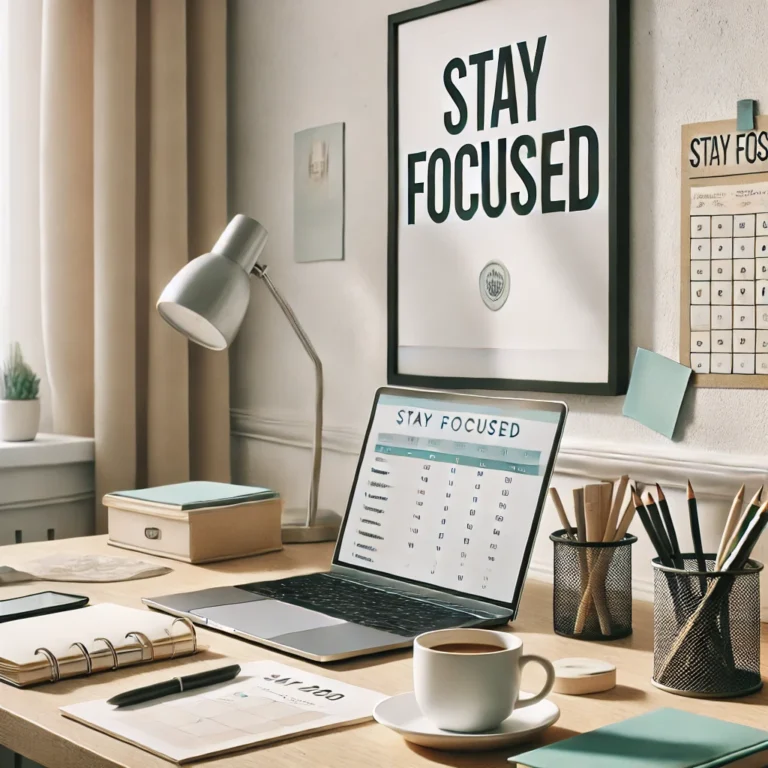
<point>472,692</point>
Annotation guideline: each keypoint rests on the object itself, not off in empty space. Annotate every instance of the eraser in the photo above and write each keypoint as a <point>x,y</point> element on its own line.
<point>577,677</point>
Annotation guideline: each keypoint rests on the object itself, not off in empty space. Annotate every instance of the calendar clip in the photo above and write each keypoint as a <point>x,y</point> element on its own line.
<point>746,109</point>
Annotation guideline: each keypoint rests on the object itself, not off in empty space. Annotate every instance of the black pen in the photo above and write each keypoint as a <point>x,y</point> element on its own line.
<point>176,685</point>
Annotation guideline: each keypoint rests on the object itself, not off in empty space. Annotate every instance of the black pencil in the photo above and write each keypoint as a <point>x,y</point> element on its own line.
<point>653,513</point>
<point>671,532</point>
<point>693,514</point>
<point>650,530</point>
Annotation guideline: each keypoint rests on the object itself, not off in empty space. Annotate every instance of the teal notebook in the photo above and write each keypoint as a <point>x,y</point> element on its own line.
<point>198,495</point>
<point>664,738</point>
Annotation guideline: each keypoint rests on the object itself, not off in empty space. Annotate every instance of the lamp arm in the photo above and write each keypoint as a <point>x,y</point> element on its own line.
<point>260,271</point>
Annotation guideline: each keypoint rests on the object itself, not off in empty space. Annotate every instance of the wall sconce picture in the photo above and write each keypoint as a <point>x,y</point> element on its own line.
<point>318,193</point>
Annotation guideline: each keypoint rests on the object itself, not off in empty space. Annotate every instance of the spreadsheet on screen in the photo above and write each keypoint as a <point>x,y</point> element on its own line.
<point>447,492</point>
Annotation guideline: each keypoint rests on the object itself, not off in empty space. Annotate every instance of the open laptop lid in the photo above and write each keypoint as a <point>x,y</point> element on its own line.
<point>449,490</point>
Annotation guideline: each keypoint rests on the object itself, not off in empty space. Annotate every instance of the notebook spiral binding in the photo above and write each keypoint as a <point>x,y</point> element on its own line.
<point>143,643</point>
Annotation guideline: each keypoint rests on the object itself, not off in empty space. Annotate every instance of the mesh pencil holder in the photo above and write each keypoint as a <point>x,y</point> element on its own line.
<point>592,595</point>
<point>706,629</point>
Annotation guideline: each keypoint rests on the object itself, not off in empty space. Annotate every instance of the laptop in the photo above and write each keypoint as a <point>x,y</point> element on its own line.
<point>438,532</point>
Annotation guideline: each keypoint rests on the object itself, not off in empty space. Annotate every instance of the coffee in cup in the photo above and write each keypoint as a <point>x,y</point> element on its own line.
<point>468,680</point>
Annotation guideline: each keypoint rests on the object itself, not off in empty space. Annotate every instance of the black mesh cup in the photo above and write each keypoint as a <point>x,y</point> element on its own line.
<point>706,629</point>
<point>592,595</point>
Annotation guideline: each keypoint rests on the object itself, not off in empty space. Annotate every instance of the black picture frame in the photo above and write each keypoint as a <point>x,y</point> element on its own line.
<point>618,238</point>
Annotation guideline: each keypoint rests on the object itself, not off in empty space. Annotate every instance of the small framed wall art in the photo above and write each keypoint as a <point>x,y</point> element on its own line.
<point>508,195</point>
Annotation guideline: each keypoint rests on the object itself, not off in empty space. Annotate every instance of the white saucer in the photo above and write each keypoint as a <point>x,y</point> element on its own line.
<point>402,714</point>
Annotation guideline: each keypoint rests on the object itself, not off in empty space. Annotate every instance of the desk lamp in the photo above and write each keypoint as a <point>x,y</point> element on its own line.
<point>206,301</point>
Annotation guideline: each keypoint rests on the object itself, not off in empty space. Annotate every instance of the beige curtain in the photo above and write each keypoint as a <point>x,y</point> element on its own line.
<point>133,184</point>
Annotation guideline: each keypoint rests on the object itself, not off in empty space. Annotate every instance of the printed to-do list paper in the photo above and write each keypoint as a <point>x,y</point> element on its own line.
<point>267,702</point>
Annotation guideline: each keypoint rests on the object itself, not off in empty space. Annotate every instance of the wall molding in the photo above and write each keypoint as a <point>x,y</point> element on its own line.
<point>48,501</point>
<point>712,474</point>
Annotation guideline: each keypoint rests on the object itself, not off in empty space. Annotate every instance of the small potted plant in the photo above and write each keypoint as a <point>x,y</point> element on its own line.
<point>19,402</point>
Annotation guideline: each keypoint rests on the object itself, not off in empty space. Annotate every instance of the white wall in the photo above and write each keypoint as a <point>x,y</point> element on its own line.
<point>299,63</point>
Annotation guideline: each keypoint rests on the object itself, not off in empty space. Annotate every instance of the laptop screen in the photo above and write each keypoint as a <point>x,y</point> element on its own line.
<point>449,490</point>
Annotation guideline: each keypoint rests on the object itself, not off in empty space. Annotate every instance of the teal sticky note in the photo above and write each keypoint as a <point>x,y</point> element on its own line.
<point>745,115</point>
<point>656,391</point>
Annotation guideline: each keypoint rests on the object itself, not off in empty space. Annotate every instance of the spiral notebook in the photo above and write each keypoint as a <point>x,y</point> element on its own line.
<point>89,640</point>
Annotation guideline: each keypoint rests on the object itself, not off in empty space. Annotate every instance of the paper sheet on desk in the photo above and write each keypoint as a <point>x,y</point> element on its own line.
<point>82,568</point>
<point>267,702</point>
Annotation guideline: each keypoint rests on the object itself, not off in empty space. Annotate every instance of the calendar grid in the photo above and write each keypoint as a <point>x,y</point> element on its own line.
<point>729,291</point>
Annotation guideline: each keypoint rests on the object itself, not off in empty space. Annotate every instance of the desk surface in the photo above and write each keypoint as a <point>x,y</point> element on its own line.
<point>30,722</point>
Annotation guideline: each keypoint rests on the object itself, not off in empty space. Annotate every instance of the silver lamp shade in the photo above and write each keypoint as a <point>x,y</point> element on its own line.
<point>207,298</point>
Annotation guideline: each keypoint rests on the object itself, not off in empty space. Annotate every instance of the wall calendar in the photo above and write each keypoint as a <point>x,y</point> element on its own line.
<point>724,254</point>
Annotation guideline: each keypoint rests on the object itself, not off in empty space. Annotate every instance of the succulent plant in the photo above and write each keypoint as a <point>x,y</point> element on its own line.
<point>19,381</point>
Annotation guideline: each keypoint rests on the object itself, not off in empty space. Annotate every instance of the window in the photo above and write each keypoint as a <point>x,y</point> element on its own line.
<point>21,25</point>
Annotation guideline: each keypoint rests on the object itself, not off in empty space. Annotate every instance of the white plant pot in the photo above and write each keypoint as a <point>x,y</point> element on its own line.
<point>19,420</point>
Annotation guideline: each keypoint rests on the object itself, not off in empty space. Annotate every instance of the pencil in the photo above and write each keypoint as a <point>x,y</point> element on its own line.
<point>693,514</point>
<point>671,532</point>
<point>618,502</point>
<point>653,513</point>
<point>743,524</point>
<point>600,570</point>
<point>740,555</point>
<point>650,530</point>
<point>555,496</point>
<point>626,520</point>
<point>578,508</point>
<point>730,525</point>
<point>592,501</point>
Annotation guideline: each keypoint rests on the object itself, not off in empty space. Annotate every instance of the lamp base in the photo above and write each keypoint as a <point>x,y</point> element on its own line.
<point>325,528</point>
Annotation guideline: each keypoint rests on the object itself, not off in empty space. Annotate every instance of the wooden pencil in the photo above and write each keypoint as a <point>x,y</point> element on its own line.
<point>555,496</point>
<point>742,525</point>
<point>578,510</point>
<point>626,521</point>
<point>606,497</point>
<point>742,551</point>
<point>581,536</point>
<point>670,526</point>
<point>618,503</point>
<point>730,525</point>
<point>592,501</point>
<point>601,568</point>
<point>693,514</point>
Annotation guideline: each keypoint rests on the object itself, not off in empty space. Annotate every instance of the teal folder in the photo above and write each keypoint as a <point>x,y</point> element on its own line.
<point>198,495</point>
<point>664,738</point>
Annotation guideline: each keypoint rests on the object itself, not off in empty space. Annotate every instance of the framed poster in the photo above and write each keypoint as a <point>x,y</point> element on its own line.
<point>508,195</point>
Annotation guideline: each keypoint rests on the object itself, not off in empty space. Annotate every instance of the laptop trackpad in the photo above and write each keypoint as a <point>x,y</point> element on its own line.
<point>265,618</point>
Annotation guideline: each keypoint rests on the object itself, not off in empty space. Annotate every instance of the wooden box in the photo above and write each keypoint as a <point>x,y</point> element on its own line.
<point>195,535</point>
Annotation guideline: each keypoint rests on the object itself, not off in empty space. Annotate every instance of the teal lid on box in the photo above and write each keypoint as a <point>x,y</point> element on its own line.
<point>199,494</point>
<point>664,738</point>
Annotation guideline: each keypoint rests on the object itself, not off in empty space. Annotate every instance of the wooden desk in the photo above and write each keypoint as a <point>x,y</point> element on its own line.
<point>31,725</point>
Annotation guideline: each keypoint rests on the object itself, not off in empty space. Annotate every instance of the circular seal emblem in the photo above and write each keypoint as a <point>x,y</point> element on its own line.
<point>494,285</point>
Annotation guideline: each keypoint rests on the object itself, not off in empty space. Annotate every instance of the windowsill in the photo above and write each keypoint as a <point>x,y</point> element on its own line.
<point>45,450</point>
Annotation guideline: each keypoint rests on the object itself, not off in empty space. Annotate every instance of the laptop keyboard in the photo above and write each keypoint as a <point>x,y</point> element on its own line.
<point>361,604</point>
